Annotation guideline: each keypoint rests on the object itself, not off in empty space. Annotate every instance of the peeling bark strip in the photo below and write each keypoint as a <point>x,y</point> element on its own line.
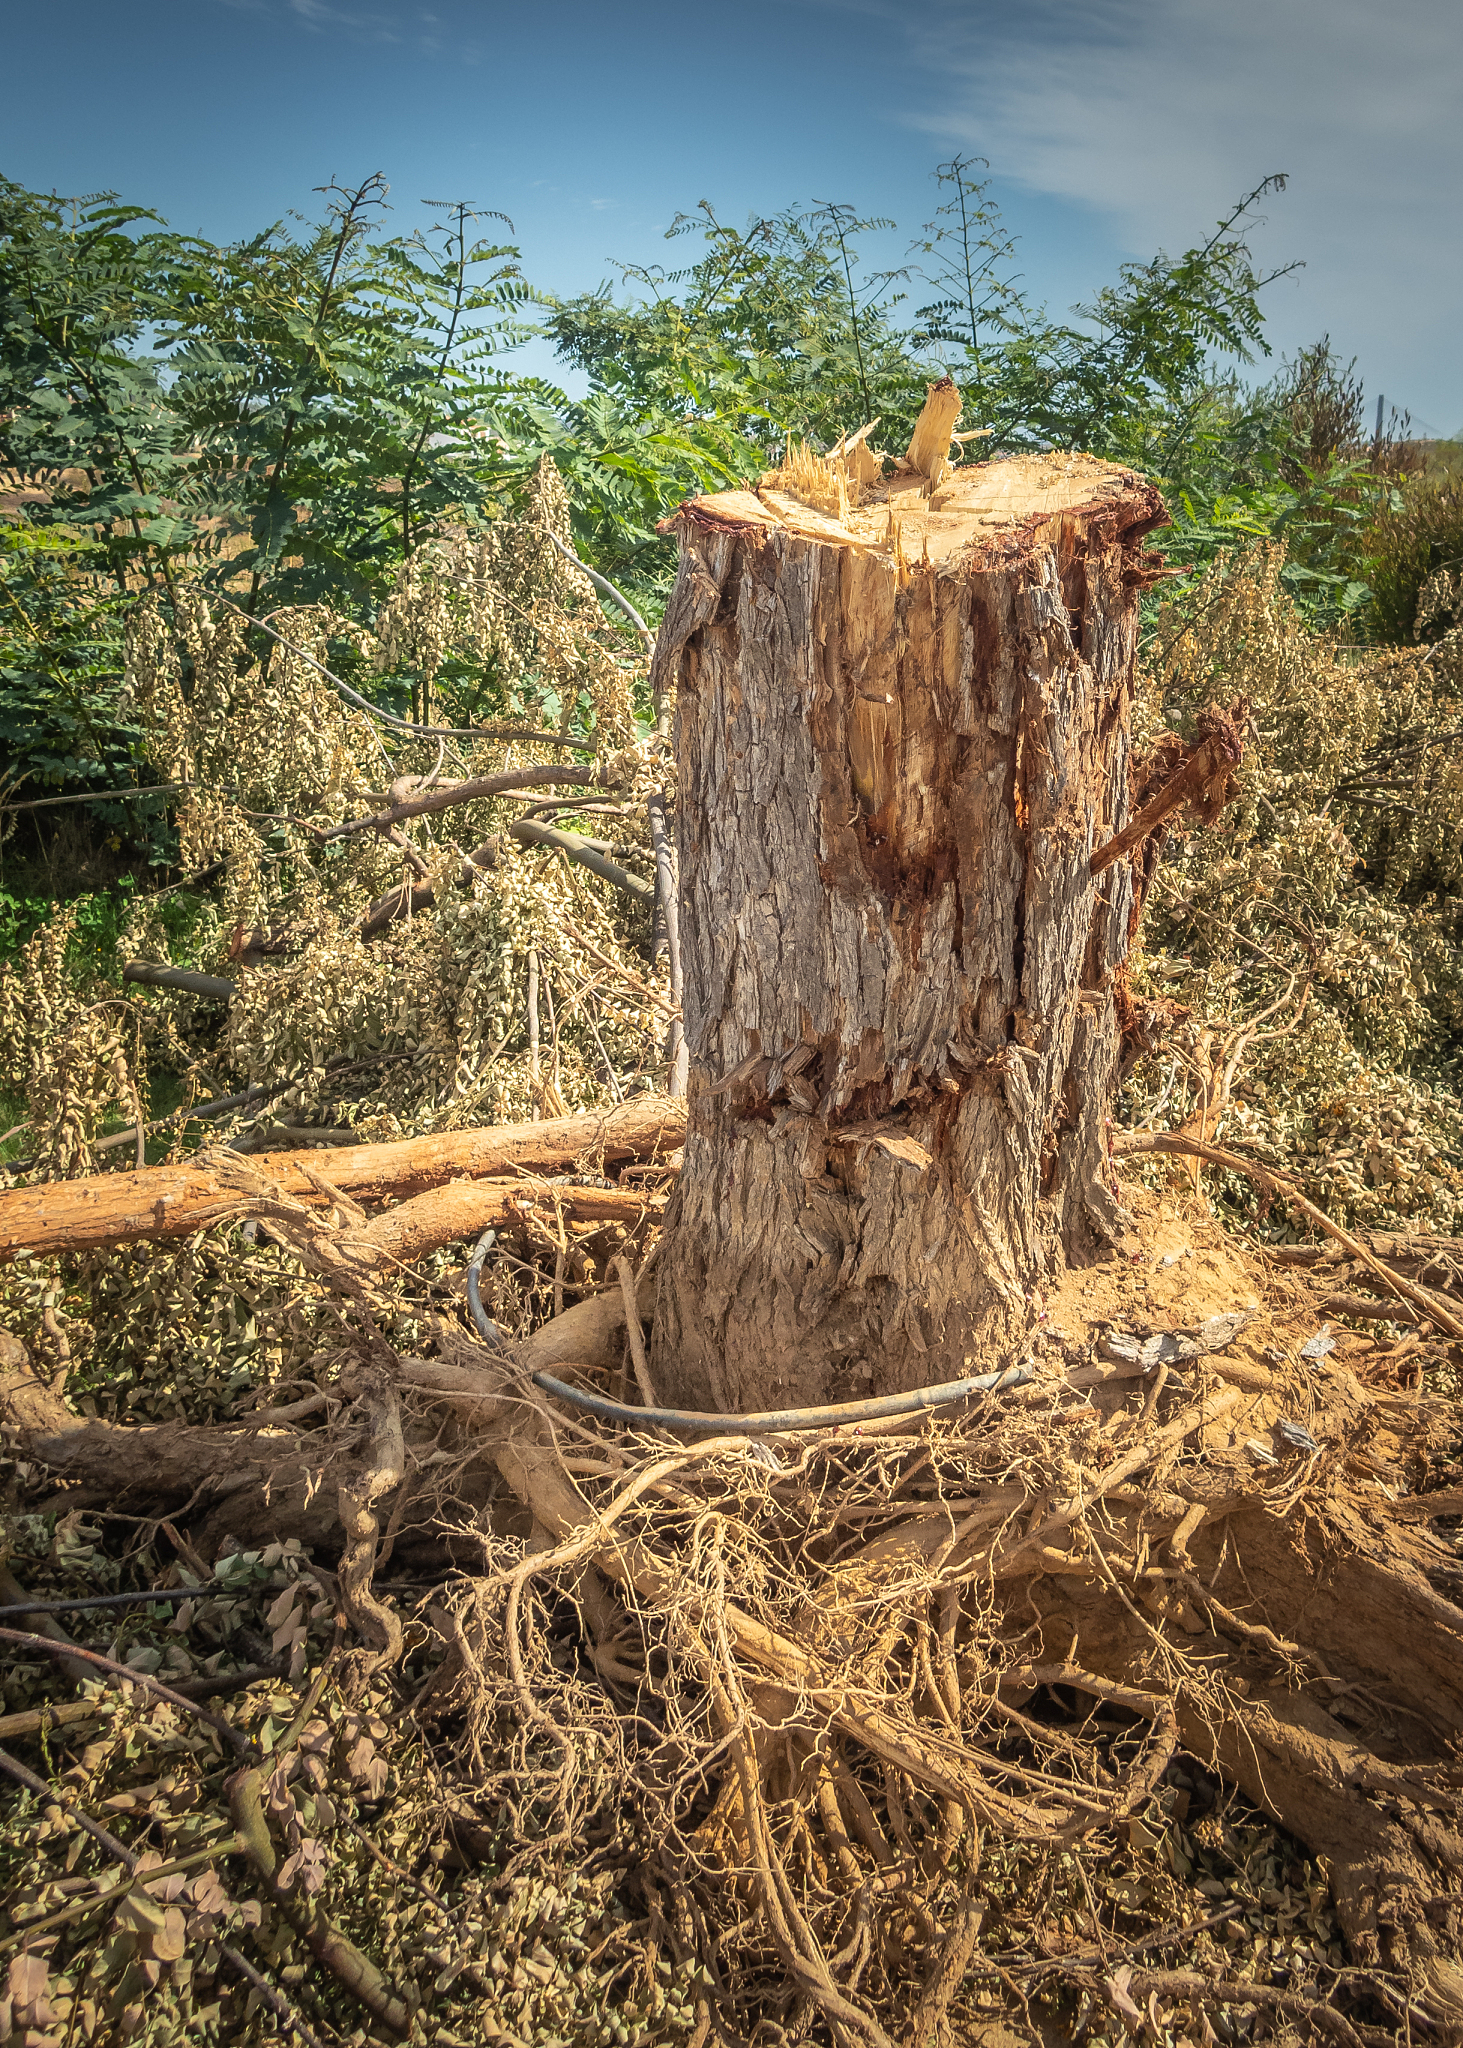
<point>900,736</point>
<point>1197,779</point>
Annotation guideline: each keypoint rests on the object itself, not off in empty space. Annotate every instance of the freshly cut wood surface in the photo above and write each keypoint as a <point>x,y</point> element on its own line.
<point>975,506</point>
<point>170,1201</point>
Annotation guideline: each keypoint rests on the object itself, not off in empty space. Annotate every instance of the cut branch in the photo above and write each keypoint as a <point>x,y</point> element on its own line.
<point>409,1230</point>
<point>447,796</point>
<point>173,1201</point>
<point>530,832</point>
<point>612,592</point>
<point>491,731</point>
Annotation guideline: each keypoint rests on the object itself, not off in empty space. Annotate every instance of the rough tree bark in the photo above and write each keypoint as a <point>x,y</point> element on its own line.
<point>901,736</point>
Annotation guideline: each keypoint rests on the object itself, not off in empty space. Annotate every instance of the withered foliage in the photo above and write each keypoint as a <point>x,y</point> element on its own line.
<point>383,984</point>
<point>1301,956</point>
<point>481,989</point>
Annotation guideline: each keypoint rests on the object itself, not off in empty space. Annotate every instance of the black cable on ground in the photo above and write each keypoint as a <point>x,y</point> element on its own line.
<point>487,1328</point>
<point>140,1599</point>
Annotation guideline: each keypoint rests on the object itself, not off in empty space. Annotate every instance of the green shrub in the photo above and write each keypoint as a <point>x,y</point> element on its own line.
<point>1420,534</point>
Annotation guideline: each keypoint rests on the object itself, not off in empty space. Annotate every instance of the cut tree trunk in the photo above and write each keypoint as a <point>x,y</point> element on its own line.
<point>901,737</point>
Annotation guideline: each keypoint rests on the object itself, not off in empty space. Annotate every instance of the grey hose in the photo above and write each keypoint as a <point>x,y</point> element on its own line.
<point>216,987</point>
<point>781,1421</point>
<point>487,1328</point>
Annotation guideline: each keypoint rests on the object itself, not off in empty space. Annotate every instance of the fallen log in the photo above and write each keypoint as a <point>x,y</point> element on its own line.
<point>465,1208</point>
<point>269,1479</point>
<point>1428,1259</point>
<point>172,1201</point>
<point>361,1255</point>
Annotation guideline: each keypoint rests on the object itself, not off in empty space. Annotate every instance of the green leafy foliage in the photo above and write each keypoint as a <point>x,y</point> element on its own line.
<point>325,384</point>
<point>1131,375</point>
<point>318,424</point>
<point>775,330</point>
<point>61,713</point>
<point>82,284</point>
<point>288,418</point>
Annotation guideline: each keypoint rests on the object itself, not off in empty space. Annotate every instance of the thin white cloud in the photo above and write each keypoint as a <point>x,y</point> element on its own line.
<point>318,14</point>
<point>422,32</point>
<point>1159,117</point>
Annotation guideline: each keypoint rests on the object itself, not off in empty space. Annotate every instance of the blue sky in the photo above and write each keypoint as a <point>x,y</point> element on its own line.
<point>1112,127</point>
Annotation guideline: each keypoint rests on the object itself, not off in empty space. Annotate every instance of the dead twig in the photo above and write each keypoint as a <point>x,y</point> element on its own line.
<point>633,1330</point>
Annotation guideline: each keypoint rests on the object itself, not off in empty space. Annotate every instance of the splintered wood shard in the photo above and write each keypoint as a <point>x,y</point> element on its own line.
<point>1200,784</point>
<point>902,730</point>
<point>929,445</point>
<point>863,464</point>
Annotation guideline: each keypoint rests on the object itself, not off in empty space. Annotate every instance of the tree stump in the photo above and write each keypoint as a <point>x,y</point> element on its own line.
<point>902,733</point>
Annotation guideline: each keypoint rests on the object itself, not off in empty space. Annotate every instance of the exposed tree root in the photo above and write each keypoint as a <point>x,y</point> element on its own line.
<point>837,1682</point>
